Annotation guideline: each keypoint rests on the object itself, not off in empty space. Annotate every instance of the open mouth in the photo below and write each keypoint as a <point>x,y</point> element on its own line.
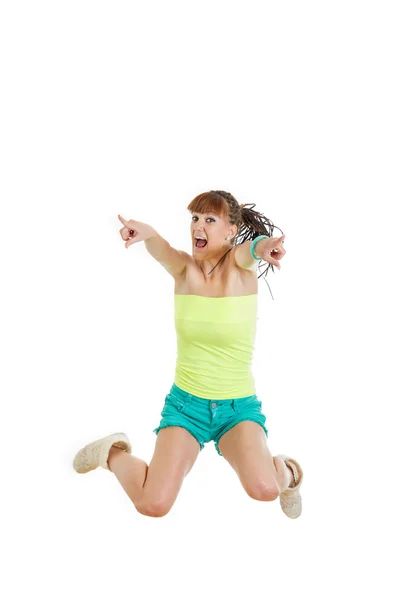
<point>200,243</point>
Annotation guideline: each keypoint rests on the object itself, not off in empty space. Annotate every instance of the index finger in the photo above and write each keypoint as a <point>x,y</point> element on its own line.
<point>124,221</point>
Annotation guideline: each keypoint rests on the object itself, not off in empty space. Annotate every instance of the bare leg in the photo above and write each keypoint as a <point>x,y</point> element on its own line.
<point>154,488</point>
<point>263,476</point>
<point>130,471</point>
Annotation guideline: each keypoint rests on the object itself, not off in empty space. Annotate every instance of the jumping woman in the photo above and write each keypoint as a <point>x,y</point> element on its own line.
<point>213,395</point>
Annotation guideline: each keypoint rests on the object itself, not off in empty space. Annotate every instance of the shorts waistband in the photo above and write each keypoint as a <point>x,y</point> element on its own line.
<point>183,395</point>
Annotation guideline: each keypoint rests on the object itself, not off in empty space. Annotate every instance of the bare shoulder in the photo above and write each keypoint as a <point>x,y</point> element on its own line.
<point>188,258</point>
<point>189,263</point>
<point>241,281</point>
<point>229,279</point>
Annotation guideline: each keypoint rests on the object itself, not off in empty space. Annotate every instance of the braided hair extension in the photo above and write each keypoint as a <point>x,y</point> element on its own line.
<point>250,223</point>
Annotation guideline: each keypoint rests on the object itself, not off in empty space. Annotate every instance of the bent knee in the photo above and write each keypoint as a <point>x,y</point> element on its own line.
<point>263,493</point>
<point>153,509</point>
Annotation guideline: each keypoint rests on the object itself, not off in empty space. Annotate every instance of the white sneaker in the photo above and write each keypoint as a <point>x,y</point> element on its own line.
<point>96,454</point>
<point>290,499</point>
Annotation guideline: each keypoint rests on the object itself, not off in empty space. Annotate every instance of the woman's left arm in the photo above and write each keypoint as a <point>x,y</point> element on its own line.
<point>243,258</point>
<point>268,249</point>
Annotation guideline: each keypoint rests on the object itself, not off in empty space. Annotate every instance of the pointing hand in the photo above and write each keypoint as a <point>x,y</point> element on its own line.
<point>135,231</point>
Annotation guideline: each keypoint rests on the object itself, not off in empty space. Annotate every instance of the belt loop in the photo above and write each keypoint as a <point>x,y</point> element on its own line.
<point>234,404</point>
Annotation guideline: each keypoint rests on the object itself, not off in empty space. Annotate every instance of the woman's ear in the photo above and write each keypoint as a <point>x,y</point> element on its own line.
<point>233,231</point>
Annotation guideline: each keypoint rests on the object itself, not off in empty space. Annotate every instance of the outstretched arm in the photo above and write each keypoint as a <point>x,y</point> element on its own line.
<point>174,261</point>
<point>243,258</point>
<point>268,249</point>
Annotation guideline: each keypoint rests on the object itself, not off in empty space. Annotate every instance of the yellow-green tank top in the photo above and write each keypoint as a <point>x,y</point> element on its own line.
<point>215,343</point>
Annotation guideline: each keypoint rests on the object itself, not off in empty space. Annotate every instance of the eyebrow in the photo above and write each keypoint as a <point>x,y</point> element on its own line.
<point>207,213</point>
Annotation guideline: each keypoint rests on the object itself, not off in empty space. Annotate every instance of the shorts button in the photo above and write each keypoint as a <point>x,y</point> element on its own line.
<point>214,405</point>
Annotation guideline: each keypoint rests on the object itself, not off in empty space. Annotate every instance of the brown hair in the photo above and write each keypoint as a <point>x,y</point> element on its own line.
<point>249,222</point>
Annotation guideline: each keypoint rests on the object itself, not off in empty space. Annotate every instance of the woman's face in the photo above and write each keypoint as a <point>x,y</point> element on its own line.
<point>214,229</point>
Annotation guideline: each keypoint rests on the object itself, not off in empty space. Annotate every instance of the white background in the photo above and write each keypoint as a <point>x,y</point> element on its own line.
<point>135,108</point>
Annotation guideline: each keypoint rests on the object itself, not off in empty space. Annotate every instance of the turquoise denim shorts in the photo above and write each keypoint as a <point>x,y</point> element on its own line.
<point>208,419</point>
